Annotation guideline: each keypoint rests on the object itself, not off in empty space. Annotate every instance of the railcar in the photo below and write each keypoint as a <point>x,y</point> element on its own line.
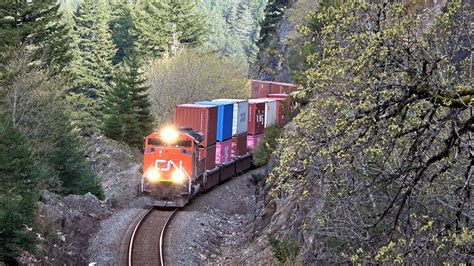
<point>180,162</point>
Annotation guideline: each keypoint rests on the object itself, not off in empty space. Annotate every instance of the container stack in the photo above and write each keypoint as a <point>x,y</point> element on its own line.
<point>281,88</point>
<point>284,107</point>
<point>260,88</point>
<point>262,114</point>
<point>225,114</point>
<point>239,126</point>
<point>204,119</point>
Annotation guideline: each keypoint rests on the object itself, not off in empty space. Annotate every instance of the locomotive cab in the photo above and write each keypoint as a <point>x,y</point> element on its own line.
<point>171,167</point>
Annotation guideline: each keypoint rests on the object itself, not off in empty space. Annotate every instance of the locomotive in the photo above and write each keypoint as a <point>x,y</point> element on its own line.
<point>180,162</point>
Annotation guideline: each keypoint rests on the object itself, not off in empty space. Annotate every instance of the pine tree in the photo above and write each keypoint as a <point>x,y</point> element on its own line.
<point>18,192</point>
<point>151,28</point>
<point>36,24</point>
<point>121,26</point>
<point>95,49</point>
<point>141,105</point>
<point>245,30</point>
<point>69,164</point>
<point>128,116</point>
<point>273,14</point>
<point>187,25</point>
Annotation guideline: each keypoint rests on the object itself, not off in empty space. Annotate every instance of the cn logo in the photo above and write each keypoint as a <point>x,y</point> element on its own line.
<point>168,165</point>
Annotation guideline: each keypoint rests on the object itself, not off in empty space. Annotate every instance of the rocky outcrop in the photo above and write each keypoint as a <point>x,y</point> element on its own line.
<point>118,167</point>
<point>63,227</point>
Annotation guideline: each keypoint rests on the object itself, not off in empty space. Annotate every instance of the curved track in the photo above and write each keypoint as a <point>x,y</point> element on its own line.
<point>146,242</point>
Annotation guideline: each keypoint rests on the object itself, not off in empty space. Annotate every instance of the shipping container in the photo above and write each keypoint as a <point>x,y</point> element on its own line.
<point>240,115</point>
<point>239,145</point>
<point>270,110</point>
<point>260,88</point>
<point>253,140</point>
<point>198,117</point>
<point>224,151</point>
<point>284,107</point>
<point>256,120</point>
<point>280,87</point>
<point>224,118</point>
<point>207,157</point>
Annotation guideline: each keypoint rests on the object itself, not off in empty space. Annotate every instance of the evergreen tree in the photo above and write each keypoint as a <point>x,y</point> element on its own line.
<point>186,24</point>
<point>246,31</point>
<point>141,105</point>
<point>37,24</point>
<point>128,116</point>
<point>69,165</point>
<point>151,28</point>
<point>273,14</point>
<point>95,49</point>
<point>18,192</point>
<point>121,26</point>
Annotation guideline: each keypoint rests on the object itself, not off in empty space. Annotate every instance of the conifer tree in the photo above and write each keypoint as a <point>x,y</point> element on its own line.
<point>37,24</point>
<point>245,30</point>
<point>18,192</point>
<point>121,26</point>
<point>187,25</point>
<point>273,14</point>
<point>128,116</point>
<point>93,69</point>
<point>141,105</point>
<point>68,163</point>
<point>151,28</point>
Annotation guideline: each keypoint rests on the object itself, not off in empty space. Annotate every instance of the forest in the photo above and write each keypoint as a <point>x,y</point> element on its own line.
<point>73,69</point>
<point>379,157</point>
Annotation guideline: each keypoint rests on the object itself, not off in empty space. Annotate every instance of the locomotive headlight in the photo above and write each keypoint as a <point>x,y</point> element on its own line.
<point>153,175</point>
<point>178,176</point>
<point>169,135</point>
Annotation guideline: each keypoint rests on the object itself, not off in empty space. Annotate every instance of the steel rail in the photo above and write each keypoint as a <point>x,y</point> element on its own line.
<point>134,233</point>
<point>162,257</point>
<point>161,240</point>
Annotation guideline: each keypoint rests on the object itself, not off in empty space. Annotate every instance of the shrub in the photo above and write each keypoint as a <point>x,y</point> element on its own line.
<point>264,149</point>
<point>285,249</point>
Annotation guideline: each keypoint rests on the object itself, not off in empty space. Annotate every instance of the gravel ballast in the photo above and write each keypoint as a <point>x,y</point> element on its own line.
<point>217,226</point>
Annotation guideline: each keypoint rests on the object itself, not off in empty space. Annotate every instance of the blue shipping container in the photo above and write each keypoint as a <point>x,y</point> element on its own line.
<point>225,114</point>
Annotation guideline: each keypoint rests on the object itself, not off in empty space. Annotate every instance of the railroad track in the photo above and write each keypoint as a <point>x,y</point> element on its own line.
<point>147,240</point>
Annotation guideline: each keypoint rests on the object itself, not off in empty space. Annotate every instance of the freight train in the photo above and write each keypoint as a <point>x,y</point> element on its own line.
<point>209,142</point>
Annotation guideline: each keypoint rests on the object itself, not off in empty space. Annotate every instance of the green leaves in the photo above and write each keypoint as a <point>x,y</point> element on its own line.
<point>385,131</point>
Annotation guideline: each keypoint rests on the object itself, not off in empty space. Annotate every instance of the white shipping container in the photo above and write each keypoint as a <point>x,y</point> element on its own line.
<point>241,115</point>
<point>270,110</point>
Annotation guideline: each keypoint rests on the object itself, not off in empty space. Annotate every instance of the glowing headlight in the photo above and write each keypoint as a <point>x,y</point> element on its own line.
<point>169,135</point>
<point>152,175</point>
<point>178,176</point>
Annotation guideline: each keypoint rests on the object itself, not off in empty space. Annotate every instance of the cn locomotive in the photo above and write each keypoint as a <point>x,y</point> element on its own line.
<point>209,143</point>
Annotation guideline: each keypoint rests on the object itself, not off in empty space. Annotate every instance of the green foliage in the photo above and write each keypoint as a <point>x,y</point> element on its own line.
<point>266,147</point>
<point>274,11</point>
<point>35,105</point>
<point>36,24</point>
<point>73,171</point>
<point>18,192</point>
<point>283,250</point>
<point>198,77</point>
<point>164,27</point>
<point>92,71</point>
<point>386,133</point>
<point>127,109</point>
<point>121,26</point>
<point>233,27</point>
